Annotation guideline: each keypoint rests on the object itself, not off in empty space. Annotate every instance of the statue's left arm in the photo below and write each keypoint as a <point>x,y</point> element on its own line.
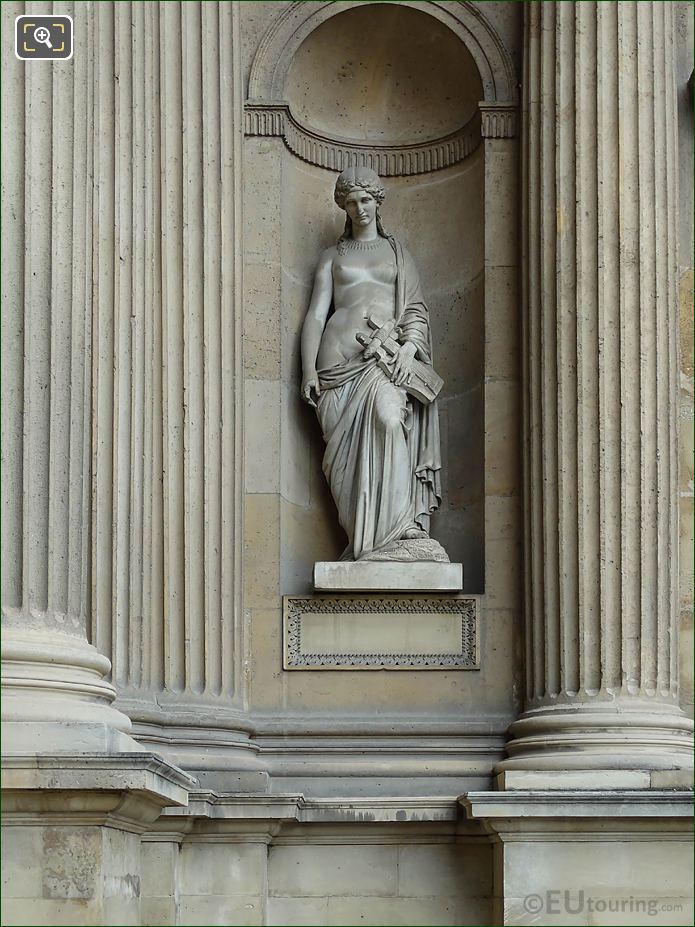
<point>414,321</point>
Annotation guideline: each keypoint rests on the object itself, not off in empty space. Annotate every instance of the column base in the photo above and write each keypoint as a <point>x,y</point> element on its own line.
<point>514,780</point>
<point>55,696</point>
<point>599,737</point>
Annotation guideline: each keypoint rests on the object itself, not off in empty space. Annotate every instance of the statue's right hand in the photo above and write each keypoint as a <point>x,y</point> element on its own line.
<point>310,382</point>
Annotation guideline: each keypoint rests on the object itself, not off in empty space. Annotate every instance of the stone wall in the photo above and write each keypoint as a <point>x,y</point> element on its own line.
<point>342,877</point>
<point>165,205</point>
<point>379,884</point>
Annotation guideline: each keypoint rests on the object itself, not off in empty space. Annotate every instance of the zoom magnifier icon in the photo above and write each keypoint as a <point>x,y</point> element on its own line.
<point>43,38</point>
<point>43,35</point>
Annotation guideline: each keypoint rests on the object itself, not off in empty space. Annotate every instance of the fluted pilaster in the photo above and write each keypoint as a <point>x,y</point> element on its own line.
<point>50,673</point>
<point>600,330</point>
<point>166,476</point>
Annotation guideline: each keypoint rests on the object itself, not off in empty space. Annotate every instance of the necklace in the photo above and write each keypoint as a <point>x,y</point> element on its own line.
<point>353,244</point>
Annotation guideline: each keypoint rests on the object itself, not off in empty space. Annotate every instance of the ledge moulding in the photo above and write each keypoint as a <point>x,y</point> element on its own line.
<point>333,153</point>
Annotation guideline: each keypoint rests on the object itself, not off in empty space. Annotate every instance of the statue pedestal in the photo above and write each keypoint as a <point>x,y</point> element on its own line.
<point>387,576</point>
<point>382,615</point>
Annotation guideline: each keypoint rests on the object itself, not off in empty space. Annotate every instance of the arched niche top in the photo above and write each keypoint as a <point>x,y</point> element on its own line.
<point>384,74</point>
<point>278,47</point>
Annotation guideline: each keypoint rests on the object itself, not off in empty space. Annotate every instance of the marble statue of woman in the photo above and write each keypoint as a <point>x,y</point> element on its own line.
<point>367,368</point>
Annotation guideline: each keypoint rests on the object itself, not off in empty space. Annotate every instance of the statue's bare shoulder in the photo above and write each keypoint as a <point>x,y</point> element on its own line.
<point>327,257</point>
<point>323,275</point>
<point>323,278</point>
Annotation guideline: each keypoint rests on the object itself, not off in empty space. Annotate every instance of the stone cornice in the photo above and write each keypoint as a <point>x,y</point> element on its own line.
<point>335,153</point>
<point>207,803</point>
<point>144,771</point>
<point>621,804</point>
<point>126,791</point>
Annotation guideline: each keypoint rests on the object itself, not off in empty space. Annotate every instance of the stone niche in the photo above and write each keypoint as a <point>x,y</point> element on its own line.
<point>388,77</point>
<point>424,93</point>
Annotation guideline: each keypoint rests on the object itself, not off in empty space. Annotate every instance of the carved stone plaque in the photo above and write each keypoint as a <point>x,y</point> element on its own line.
<point>380,632</point>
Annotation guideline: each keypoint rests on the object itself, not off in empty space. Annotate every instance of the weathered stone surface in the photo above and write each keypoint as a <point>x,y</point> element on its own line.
<point>71,834</point>
<point>380,884</point>
<point>424,576</point>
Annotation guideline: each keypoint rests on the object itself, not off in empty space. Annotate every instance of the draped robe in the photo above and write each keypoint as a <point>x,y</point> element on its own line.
<point>382,458</point>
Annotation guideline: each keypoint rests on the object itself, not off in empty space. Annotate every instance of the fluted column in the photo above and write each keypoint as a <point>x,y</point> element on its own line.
<point>55,696</point>
<point>600,330</point>
<point>167,388</point>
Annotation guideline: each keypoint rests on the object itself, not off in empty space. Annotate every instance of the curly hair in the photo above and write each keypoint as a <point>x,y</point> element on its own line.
<point>358,178</point>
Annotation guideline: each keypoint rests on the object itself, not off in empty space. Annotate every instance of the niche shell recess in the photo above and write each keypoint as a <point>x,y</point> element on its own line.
<point>380,84</point>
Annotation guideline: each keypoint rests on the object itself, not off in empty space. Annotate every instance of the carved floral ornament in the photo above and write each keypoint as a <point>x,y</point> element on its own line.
<point>267,113</point>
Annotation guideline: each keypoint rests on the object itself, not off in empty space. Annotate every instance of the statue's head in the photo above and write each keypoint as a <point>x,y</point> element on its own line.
<point>358,178</point>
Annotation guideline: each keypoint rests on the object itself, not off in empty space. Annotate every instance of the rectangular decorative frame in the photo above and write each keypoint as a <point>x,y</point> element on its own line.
<point>336,608</point>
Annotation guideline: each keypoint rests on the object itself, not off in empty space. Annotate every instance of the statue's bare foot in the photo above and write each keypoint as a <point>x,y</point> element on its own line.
<point>414,533</point>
